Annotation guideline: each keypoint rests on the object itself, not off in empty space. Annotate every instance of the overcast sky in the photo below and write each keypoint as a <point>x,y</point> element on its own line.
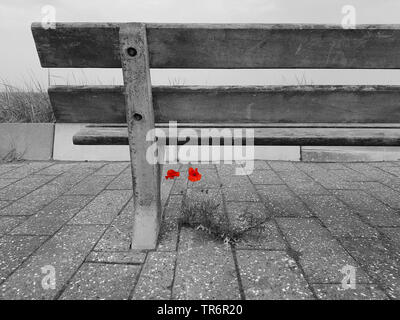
<point>19,61</point>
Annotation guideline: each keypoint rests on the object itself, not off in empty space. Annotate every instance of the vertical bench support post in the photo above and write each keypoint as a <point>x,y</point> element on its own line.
<point>140,119</point>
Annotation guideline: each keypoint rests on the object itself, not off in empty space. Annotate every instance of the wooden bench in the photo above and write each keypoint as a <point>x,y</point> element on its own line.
<point>281,115</point>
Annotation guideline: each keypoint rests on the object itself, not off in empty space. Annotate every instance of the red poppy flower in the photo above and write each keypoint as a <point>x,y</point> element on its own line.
<point>194,175</point>
<point>171,174</point>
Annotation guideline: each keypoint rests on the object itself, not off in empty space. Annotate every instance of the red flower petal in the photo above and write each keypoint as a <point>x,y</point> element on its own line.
<point>171,174</point>
<point>194,175</point>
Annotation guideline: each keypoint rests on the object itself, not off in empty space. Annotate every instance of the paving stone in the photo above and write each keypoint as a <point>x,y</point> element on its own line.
<point>156,279</point>
<point>168,237</point>
<point>112,169</point>
<point>370,192</point>
<point>394,235</point>
<point>307,166</point>
<point>95,281</point>
<point>372,173</point>
<point>260,165</point>
<point>25,170</point>
<point>271,275</point>
<point>118,234</point>
<point>65,181</point>
<point>374,211</point>
<point>28,205</point>
<point>296,173</point>
<point>265,177</point>
<point>104,207</point>
<point>42,196</point>
<point>65,252</point>
<point>122,182</point>
<point>14,250</point>
<point>4,203</point>
<point>327,179</point>
<point>383,164</point>
<point>205,269</point>
<point>7,167</point>
<point>393,183</point>
<point>281,202</point>
<point>320,255</point>
<point>282,165</point>
<point>338,218</point>
<point>92,185</point>
<point>75,168</point>
<point>87,167</point>
<point>361,185</point>
<point>240,194</point>
<point>349,175</point>
<point>383,193</point>
<point>52,217</point>
<point>57,168</point>
<point>123,257</point>
<point>394,170</point>
<point>6,182</point>
<point>300,183</point>
<point>179,186</point>
<point>23,187</point>
<point>8,223</point>
<point>380,259</point>
<point>361,292</point>
<point>229,169</point>
<point>331,166</point>
<point>232,181</point>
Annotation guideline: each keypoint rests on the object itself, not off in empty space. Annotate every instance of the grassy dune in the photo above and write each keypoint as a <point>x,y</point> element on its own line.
<point>28,104</point>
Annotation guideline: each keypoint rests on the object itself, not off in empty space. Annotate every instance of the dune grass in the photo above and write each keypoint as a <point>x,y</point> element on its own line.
<point>205,215</point>
<point>29,103</point>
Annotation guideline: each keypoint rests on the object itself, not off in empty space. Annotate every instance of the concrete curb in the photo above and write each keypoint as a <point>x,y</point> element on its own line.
<point>28,141</point>
<point>349,154</point>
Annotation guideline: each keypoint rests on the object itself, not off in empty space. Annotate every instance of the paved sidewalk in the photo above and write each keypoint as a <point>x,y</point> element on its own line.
<point>74,219</point>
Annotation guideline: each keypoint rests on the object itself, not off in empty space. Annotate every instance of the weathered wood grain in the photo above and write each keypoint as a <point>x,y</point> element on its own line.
<point>221,46</point>
<point>302,136</point>
<point>261,125</point>
<point>253,105</point>
<point>140,119</point>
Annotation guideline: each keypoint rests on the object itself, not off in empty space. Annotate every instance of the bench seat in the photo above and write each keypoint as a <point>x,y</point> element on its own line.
<point>272,134</point>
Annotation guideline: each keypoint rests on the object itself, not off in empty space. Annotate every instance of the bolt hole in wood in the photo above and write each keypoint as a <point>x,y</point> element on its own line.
<point>131,51</point>
<point>137,116</point>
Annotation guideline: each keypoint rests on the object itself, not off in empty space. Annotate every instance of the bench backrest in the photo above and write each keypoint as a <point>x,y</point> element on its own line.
<point>96,45</point>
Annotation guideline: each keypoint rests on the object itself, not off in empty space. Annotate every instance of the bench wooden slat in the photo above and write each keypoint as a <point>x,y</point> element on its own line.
<point>256,104</point>
<point>262,125</point>
<point>346,136</point>
<point>95,45</point>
